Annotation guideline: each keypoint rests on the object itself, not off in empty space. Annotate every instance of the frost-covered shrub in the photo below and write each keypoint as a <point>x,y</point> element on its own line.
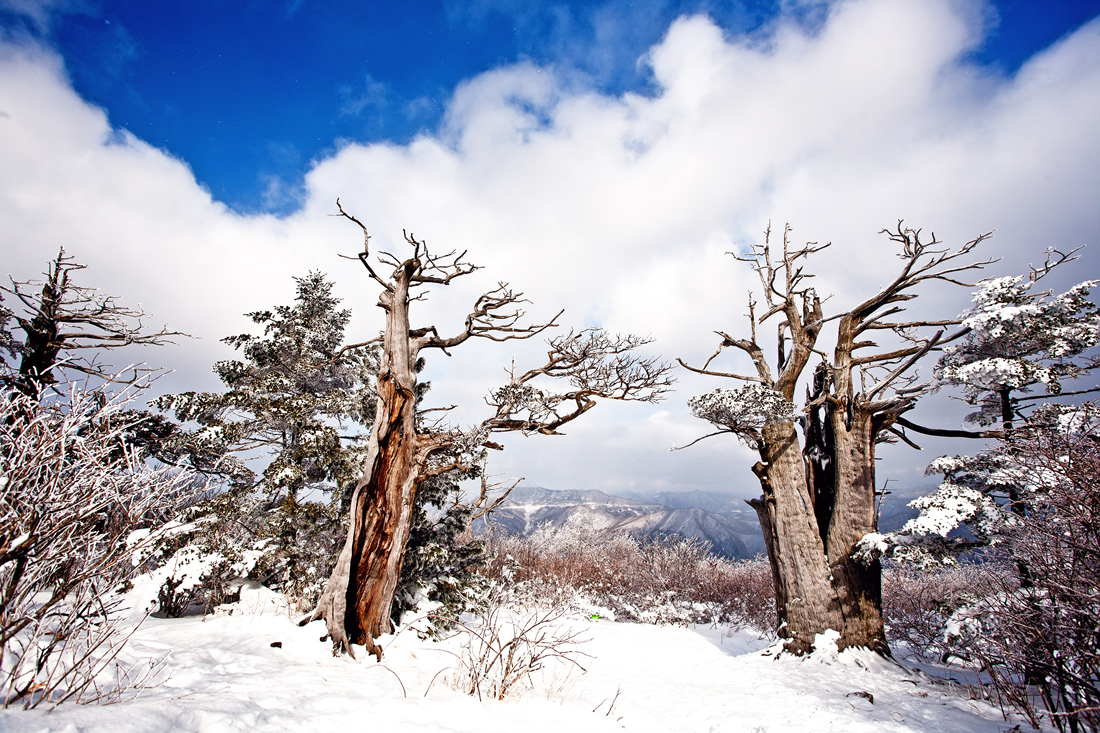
<point>919,605</point>
<point>1028,620</point>
<point>665,581</point>
<point>927,540</point>
<point>72,493</point>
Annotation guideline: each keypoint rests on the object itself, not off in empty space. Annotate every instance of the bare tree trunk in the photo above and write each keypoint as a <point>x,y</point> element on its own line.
<point>356,603</point>
<point>858,586</point>
<point>811,603</point>
<point>765,511</point>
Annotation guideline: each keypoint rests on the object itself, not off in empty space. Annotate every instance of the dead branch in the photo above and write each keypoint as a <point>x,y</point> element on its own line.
<point>482,506</point>
<point>945,433</point>
<point>596,364</point>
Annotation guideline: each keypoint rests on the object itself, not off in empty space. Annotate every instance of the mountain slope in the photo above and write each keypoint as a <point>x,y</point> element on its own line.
<point>529,508</point>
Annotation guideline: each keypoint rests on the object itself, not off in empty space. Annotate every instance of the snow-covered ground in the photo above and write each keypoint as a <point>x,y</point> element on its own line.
<point>222,674</point>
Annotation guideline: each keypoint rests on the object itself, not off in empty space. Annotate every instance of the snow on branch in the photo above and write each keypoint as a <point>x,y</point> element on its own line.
<point>744,410</point>
<point>595,364</point>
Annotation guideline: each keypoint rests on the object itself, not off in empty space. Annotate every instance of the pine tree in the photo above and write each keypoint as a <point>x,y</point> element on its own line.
<point>299,397</point>
<point>1019,338</point>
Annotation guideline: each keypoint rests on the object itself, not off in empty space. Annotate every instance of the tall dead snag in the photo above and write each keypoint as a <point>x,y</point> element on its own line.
<point>404,450</point>
<point>819,498</point>
<point>61,320</point>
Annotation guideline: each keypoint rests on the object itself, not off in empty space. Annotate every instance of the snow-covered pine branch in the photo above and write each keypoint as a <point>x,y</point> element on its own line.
<point>1018,338</point>
<point>743,410</point>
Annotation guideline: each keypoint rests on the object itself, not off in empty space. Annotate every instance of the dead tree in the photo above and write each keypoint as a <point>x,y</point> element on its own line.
<point>819,499</point>
<point>404,450</point>
<point>61,321</point>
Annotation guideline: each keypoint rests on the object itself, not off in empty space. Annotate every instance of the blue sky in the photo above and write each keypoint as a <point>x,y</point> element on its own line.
<point>249,93</point>
<point>602,158</point>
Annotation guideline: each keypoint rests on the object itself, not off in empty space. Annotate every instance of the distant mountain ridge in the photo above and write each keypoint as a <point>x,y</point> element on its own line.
<point>530,507</point>
<point>721,519</point>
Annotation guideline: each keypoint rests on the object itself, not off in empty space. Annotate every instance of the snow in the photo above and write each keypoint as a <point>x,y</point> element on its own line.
<point>222,674</point>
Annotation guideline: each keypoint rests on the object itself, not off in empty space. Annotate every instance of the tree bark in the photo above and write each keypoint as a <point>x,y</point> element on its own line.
<point>803,573</point>
<point>765,511</point>
<point>357,600</point>
<point>858,586</point>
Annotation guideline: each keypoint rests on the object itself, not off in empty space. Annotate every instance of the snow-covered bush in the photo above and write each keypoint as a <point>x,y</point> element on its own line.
<point>71,494</point>
<point>234,535</point>
<point>1029,620</point>
<point>666,581</point>
<point>919,604</point>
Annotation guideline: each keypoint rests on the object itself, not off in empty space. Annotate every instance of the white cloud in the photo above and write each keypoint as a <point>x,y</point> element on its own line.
<point>617,208</point>
<point>39,12</point>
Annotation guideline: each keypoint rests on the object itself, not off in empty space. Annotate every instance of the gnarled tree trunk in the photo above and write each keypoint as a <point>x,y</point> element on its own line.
<point>820,502</point>
<point>356,603</point>
<point>797,553</point>
<point>402,453</point>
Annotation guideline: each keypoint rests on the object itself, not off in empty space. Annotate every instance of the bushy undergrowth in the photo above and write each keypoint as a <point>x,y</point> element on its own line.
<point>289,547</point>
<point>919,605</point>
<point>666,581</point>
<point>76,506</point>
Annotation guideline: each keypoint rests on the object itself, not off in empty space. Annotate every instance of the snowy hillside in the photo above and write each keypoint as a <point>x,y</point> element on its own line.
<point>226,673</point>
<point>736,536</point>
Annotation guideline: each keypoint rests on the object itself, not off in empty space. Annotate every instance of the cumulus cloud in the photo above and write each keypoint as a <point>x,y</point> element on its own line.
<point>618,208</point>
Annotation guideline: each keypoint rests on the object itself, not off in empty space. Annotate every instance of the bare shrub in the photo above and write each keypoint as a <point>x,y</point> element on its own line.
<point>664,581</point>
<point>919,604</point>
<point>1041,634</point>
<point>1026,618</point>
<point>71,496</point>
<point>504,646</point>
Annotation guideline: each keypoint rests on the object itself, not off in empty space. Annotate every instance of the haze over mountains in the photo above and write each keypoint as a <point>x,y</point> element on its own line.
<point>732,533</point>
<point>721,519</point>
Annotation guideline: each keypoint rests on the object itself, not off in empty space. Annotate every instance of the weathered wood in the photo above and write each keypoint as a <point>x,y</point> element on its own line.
<point>818,503</point>
<point>811,604</point>
<point>402,453</point>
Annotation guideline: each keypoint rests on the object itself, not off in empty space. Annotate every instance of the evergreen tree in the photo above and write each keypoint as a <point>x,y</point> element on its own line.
<point>1019,338</point>
<point>438,572</point>
<point>1016,339</point>
<point>299,396</point>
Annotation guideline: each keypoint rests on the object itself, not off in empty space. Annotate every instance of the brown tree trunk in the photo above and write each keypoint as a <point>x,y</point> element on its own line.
<point>357,600</point>
<point>803,571</point>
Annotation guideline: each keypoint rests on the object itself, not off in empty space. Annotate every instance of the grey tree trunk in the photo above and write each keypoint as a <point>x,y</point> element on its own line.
<point>799,554</point>
<point>818,503</point>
